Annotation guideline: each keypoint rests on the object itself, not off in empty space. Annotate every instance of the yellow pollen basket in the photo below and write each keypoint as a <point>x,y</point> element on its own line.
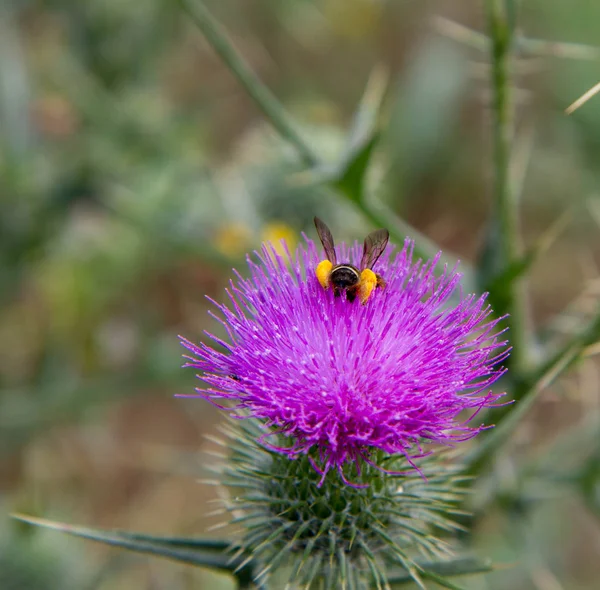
<point>323,272</point>
<point>368,282</point>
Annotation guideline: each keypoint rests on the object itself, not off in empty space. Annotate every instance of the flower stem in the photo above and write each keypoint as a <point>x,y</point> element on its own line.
<point>261,95</point>
<point>503,243</point>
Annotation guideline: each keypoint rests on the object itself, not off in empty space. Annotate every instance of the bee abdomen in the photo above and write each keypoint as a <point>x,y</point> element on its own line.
<point>344,276</point>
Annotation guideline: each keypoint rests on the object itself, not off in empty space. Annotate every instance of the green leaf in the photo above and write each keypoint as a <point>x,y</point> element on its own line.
<point>350,177</point>
<point>208,553</point>
<point>366,118</point>
<point>438,570</point>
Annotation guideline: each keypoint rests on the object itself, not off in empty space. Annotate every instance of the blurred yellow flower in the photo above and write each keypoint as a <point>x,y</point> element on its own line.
<point>353,19</point>
<point>233,239</point>
<point>275,231</point>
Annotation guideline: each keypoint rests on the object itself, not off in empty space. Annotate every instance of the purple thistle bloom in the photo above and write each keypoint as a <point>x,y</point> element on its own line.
<point>341,379</point>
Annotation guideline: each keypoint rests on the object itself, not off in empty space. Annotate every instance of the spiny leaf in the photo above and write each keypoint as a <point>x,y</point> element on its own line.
<point>207,553</point>
<point>444,569</point>
<point>366,117</point>
<point>361,139</point>
<point>351,176</point>
<point>348,174</point>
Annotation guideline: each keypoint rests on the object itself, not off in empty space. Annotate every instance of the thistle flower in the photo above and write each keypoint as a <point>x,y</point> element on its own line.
<point>335,380</point>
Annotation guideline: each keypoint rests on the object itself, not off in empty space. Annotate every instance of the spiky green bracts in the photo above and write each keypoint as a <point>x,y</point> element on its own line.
<point>302,535</point>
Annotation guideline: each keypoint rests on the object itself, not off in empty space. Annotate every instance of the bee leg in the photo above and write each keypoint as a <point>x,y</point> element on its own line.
<point>380,281</point>
<point>323,272</point>
<point>351,294</point>
<point>368,282</point>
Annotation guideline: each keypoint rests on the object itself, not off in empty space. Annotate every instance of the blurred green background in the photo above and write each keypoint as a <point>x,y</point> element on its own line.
<point>135,173</point>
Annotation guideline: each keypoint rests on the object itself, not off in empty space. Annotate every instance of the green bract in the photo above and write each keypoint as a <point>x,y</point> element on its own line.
<point>335,536</point>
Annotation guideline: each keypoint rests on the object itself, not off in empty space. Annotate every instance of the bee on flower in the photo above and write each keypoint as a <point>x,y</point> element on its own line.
<point>345,276</point>
<point>339,382</point>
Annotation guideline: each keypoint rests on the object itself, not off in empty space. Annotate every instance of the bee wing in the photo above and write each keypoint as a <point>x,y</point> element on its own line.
<point>375,244</point>
<point>326,239</point>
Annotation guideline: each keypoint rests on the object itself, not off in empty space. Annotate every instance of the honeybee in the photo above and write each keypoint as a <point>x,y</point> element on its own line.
<point>346,277</point>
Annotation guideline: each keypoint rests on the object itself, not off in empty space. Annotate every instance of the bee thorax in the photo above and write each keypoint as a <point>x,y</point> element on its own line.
<point>344,276</point>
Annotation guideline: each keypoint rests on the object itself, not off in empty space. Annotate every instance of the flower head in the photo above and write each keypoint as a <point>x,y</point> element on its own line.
<point>339,380</point>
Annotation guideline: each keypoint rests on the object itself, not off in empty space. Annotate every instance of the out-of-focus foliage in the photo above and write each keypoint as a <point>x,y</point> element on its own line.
<point>135,172</point>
